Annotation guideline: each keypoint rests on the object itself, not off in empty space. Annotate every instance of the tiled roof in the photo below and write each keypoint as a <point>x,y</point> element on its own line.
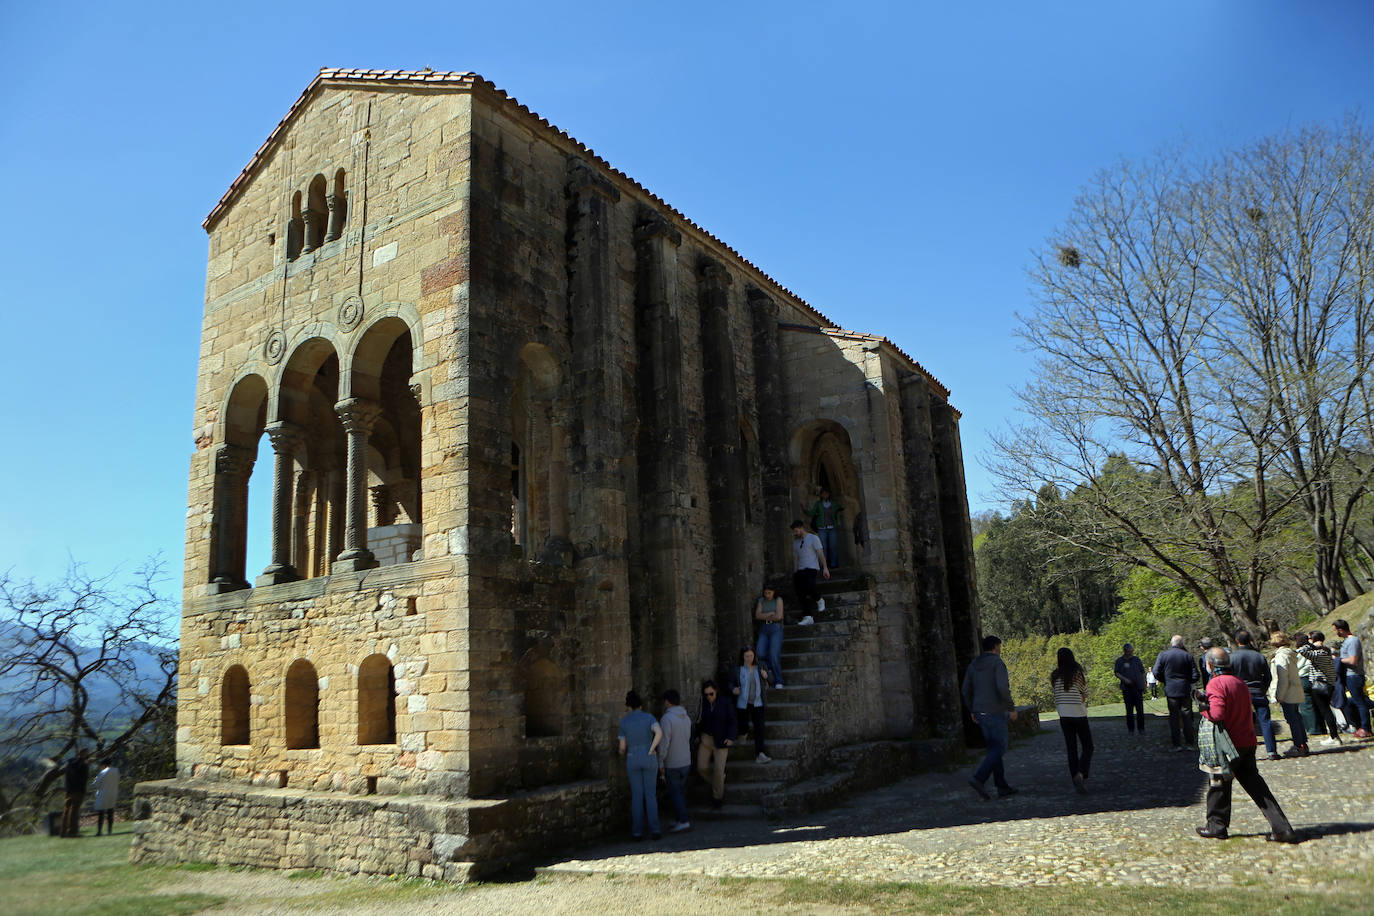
<point>468,81</point>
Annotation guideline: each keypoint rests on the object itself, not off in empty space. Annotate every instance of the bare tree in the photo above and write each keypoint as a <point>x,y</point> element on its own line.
<point>1202,342</point>
<point>83,662</point>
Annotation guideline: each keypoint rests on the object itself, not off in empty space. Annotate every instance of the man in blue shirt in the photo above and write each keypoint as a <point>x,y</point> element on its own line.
<point>1130,674</point>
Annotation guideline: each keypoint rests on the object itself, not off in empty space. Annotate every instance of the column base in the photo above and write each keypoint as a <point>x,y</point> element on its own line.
<point>278,575</point>
<point>220,586</point>
<point>355,560</point>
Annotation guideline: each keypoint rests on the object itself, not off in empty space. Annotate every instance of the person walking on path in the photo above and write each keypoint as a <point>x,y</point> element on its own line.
<point>987,694</point>
<point>75,778</point>
<point>106,787</point>
<point>640,735</point>
<point>825,518</point>
<point>1229,707</point>
<point>1285,688</point>
<point>675,756</point>
<point>768,610</point>
<point>1252,668</point>
<point>717,726</point>
<point>1323,685</point>
<point>748,691</point>
<point>1070,686</point>
<point>1352,658</point>
<point>808,562</point>
<point>1130,674</point>
<point>1176,668</point>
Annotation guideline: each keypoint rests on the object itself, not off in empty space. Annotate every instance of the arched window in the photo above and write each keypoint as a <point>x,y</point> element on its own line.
<point>245,417</point>
<point>338,207</point>
<point>302,705</point>
<point>295,229</point>
<point>316,214</point>
<point>376,701</point>
<point>233,706</point>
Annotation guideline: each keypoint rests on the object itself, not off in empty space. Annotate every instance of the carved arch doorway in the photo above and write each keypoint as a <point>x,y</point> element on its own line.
<point>823,458</point>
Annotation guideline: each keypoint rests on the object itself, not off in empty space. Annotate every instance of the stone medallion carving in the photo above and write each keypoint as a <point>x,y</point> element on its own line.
<point>275,348</point>
<point>351,313</point>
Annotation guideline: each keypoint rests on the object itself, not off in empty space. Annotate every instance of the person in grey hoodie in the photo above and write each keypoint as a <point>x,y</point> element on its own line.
<point>675,756</point>
<point>987,694</point>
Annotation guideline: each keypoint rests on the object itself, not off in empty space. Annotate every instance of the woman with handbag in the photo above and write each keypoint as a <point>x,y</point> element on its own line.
<point>1323,686</point>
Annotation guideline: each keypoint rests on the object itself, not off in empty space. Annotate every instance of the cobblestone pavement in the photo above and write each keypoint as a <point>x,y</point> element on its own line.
<point>1134,827</point>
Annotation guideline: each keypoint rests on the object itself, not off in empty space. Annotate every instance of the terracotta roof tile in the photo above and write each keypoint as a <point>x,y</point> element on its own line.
<point>472,81</point>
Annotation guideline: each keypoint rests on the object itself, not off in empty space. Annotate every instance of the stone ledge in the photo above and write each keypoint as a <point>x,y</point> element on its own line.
<point>857,768</point>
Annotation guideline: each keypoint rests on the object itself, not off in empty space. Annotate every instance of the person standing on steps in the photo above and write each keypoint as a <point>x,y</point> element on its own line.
<point>717,726</point>
<point>675,756</point>
<point>1253,668</point>
<point>987,694</point>
<point>1070,686</point>
<point>768,611</point>
<point>639,737</point>
<point>825,518</point>
<point>1130,674</point>
<point>1229,707</point>
<point>808,561</point>
<point>748,692</point>
<point>1176,668</point>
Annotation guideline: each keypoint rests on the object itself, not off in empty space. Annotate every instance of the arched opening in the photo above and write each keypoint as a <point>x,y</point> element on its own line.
<point>314,496</point>
<point>545,694</point>
<point>338,207</point>
<point>823,459</point>
<point>538,472</point>
<point>234,701</point>
<point>382,370</point>
<point>376,701</point>
<point>245,417</point>
<point>295,229</point>
<point>316,214</point>
<point>302,706</point>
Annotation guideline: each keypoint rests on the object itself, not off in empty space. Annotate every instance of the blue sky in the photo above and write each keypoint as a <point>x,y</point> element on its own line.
<point>894,164</point>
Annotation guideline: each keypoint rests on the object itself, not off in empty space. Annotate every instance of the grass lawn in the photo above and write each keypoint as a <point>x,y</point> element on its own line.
<point>88,874</point>
<point>1156,707</point>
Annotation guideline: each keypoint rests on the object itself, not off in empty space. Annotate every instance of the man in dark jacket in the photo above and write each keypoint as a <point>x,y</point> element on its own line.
<point>987,694</point>
<point>1253,668</point>
<point>1177,670</point>
<point>718,730</point>
<point>1130,674</point>
<point>77,775</point>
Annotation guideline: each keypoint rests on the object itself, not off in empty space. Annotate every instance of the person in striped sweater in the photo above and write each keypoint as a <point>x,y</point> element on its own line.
<point>1070,686</point>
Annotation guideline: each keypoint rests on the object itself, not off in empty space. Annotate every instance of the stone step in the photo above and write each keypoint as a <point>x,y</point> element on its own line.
<point>796,691</point>
<point>824,626</point>
<point>782,748</point>
<point>814,659</point>
<point>749,793</point>
<point>776,729</point>
<point>732,810</point>
<point>800,677</point>
<point>751,772</point>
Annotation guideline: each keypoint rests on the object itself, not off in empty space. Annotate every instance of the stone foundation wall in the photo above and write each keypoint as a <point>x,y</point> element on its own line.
<point>450,840</point>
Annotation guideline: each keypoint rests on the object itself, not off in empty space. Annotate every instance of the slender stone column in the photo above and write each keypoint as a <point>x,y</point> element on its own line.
<point>300,532</point>
<point>358,417</point>
<point>338,205</point>
<point>312,229</point>
<point>286,439</point>
<point>233,467</point>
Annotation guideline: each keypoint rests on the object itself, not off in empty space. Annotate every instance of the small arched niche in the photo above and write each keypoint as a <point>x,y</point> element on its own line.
<point>234,704</point>
<point>376,701</point>
<point>545,695</point>
<point>302,706</point>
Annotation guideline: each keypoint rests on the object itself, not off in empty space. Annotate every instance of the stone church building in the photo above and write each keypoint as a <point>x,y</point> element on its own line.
<point>536,439</point>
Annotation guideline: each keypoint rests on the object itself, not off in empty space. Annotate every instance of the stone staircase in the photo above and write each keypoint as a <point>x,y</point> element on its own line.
<point>808,656</point>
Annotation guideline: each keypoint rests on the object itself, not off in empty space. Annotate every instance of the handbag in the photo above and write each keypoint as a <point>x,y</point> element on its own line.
<point>1215,749</point>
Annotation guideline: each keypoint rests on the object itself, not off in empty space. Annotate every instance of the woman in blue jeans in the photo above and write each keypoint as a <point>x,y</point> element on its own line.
<point>639,737</point>
<point>768,610</point>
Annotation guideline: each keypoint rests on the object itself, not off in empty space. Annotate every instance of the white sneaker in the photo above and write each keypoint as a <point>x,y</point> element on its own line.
<point>678,828</point>
<point>806,621</point>
<point>763,758</point>
<point>1330,742</point>
<point>820,605</point>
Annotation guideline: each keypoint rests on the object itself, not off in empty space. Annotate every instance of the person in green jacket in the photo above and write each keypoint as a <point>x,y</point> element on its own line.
<point>825,518</point>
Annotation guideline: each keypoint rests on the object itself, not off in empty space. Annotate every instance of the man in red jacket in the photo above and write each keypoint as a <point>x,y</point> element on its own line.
<point>1228,706</point>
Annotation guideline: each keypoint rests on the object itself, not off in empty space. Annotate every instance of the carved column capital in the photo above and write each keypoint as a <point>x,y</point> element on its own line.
<point>760,301</point>
<point>286,437</point>
<point>713,274</point>
<point>358,415</point>
<point>234,461</point>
